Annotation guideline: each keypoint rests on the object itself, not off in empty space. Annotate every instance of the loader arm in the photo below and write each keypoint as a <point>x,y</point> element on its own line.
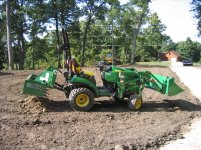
<point>162,84</point>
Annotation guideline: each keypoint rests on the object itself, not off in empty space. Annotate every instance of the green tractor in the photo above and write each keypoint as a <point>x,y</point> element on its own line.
<point>119,83</point>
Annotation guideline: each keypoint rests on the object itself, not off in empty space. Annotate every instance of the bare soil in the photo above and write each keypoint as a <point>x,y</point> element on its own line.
<point>28,122</point>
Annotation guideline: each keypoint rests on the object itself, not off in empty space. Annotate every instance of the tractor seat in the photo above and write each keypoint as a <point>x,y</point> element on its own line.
<point>76,69</point>
<point>89,73</point>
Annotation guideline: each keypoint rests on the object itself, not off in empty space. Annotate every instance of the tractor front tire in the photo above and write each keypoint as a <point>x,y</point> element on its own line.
<point>81,99</point>
<point>135,103</point>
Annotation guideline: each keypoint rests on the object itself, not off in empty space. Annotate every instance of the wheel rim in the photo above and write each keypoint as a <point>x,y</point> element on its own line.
<point>138,103</point>
<point>82,100</point>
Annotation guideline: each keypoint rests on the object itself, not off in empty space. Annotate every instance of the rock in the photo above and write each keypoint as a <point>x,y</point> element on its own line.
<point>21,101</point>
<point>119,147</point>
<point>44,109</point>
<point>22,106</point>
<point>130,147</point>
<point>138,112</point>
<point>180,136</point>
<point>177,108</point>
<point>43,147</point>
<point>36,122</point>
<point>39,113</point>
<point>152,121</point>
<point>55,142</point>
<point>49,122</point>
<point>110,116</point>
<point>2,97</point>
<point>26,123</point>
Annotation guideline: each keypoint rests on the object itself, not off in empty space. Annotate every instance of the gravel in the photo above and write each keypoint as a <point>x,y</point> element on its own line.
<point>191,77</point>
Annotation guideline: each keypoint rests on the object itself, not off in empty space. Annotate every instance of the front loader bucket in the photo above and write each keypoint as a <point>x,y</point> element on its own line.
<point>172,88</point>
<point>36,85</point>
<point>162,84</point>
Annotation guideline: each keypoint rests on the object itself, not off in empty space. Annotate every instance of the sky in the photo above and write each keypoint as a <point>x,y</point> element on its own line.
<point>177,17</point>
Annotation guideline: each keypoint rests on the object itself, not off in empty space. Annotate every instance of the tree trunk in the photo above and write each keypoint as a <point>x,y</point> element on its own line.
<point>22,47</point>
<point>33,59</point>
<point>126,50</point>
<point>84,40</point>
<point>113,53</point>
<point>66,46</point>
<point>58,42</point>
<point>135,34</point>
<point>133,46</point>
<point>9,44</point>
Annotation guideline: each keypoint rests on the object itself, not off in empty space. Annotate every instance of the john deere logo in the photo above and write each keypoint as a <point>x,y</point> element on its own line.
<point>34,86</point>
<point>45,78</point>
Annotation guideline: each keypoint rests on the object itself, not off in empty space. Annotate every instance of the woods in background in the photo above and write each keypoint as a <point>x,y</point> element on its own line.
<point>91,29</point>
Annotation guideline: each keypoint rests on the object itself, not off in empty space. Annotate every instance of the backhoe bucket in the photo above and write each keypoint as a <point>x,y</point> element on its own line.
<point>163,84</point>
<point>36,85</point>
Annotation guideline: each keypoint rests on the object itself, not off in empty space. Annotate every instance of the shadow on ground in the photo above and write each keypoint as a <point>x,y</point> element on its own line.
<point>112,106</point>
<point>54,106</point>
<point>6,73</point>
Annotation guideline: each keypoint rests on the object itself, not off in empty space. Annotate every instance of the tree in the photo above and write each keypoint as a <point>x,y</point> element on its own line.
<point>2,43</point>
<point>184,48</point>
<point>36,24</point>
<point>189,49</point>
<point>152,38</point>
<point>63,14</point>
<point>196,8</point>
<point>90,29</point>
<point>17,28</point>
<point>20,28</point>
<point>90,9</point>
<point>168,44</point>
<point>135,13</point>
<point>113,24</point>
<point>2,55</point>
<point>9,42</point>
<point>196,51</point>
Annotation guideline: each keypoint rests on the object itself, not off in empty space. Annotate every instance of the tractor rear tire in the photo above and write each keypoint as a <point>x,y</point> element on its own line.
<point>81,99</point>
<point>135,103</point>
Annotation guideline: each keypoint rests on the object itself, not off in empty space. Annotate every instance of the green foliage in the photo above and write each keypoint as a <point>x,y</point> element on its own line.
<point>151,40</point>
<point>104,54</point>
<point>94,28</point>
<point>28,61</point>
<point>39,52</point>
<point>196,8</point>
<point>167,44</point>
<point>189,49</point>
<point>154,64</point>
<point>2,45</point>
<point>2,57</point>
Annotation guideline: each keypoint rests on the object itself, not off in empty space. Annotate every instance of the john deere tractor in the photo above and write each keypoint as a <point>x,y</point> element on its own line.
<point>119,83</point>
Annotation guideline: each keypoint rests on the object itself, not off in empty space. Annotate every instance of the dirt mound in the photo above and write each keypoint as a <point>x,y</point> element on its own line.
<point>33,105</point>
<point>38,105</point>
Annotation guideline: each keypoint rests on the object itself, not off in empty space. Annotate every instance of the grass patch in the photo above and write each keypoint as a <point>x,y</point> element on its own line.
<point>154,64</point>
<point>196,64</point>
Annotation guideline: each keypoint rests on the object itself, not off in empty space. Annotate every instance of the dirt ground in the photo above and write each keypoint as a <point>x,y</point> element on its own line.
<point>28,122</point>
